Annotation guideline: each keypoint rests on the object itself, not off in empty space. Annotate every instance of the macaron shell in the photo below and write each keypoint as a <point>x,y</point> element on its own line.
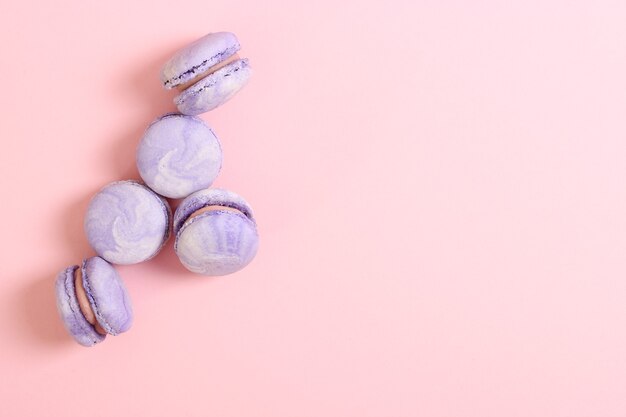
<point>67,305</point>
<point>217,242</point>
<point>197,57</point>
<point>178,155</point>
<point>215,89</point>
<point>209,197</point>
<point>107,296</point>
<point>127,223</point>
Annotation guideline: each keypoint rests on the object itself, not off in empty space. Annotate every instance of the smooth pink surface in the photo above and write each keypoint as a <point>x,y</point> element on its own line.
<point>441,196</point>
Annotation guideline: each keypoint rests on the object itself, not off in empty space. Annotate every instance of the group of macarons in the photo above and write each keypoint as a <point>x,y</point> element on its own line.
<point>179,157</point>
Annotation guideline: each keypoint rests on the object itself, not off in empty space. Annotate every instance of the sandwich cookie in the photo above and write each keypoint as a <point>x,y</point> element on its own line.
<point>215,231</point>
<point>208,72</point>
<point>92,301</point>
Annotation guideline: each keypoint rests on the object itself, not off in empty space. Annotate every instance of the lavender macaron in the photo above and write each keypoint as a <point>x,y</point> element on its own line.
<point>127,223</point>
<point>215,232</point>
<point>93,301</point>
<point>178,155</point>
<point>208,72</point>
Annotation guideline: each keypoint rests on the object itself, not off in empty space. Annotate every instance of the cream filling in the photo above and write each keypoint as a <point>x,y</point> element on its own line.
<point>212,208</point>
<point>83,302</point>
<point>208,72</point>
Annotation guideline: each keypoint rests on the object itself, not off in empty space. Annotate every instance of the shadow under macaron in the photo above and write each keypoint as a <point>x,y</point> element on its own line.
<point>73,230</point>
<point>37,314</point>
<point>166,263</point>
<point>145,94</point>
<point>145,86</point>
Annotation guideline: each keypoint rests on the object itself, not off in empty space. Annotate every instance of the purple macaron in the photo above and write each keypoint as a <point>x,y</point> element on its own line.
<point>215,232</point>
<point>93,301</point>
<point>208,72</point>
<point>178,155</point>
<point>127,223</point>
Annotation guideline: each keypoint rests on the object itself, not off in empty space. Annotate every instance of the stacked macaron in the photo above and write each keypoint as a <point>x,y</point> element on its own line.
<point>179,157</point>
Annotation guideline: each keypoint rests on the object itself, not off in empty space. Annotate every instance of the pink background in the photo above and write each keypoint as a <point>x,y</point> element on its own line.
<point>440,190</point>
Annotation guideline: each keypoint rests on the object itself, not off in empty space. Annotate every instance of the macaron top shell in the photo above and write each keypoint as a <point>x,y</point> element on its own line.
<point>216,242</point>
<point>214,89</point>
<point>197,57</point>
<point>127,223</point>
<point>107,295</point>
<point>178,155</point>
<point>67,305</point>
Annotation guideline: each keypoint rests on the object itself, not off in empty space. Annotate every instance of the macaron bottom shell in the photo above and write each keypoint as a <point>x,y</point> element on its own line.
<point>215,89</point>
<point>107,295</point>
<point>217,242</point>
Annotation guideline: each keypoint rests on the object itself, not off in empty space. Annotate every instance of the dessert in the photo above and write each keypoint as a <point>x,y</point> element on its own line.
<point>178,155</point>
<point>208,72</point>
<point>93,301</point>
<point>127,223</point>
<point>215,232</point>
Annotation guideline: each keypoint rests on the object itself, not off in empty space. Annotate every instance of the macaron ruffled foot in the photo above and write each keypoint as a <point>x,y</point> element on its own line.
<point>93,301</point>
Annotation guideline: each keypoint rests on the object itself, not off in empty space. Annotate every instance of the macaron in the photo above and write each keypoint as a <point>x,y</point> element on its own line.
<point>178,155</point>
<point>93,301</point>
<point>208,72</point>
<point>127,223</point>
<point>215,231</point>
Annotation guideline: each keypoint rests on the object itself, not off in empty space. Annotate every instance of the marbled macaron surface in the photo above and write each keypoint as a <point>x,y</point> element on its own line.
<point>215,231</point>
<point>126,222</point>
<point>178,155</point>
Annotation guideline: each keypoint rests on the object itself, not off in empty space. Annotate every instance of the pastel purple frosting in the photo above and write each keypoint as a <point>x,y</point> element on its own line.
<point>215,89</point>
<point>197,57</point>
<point>216,242</point>
<point>178,155</point>
<point>107,297</point>
<point>127,223</point>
